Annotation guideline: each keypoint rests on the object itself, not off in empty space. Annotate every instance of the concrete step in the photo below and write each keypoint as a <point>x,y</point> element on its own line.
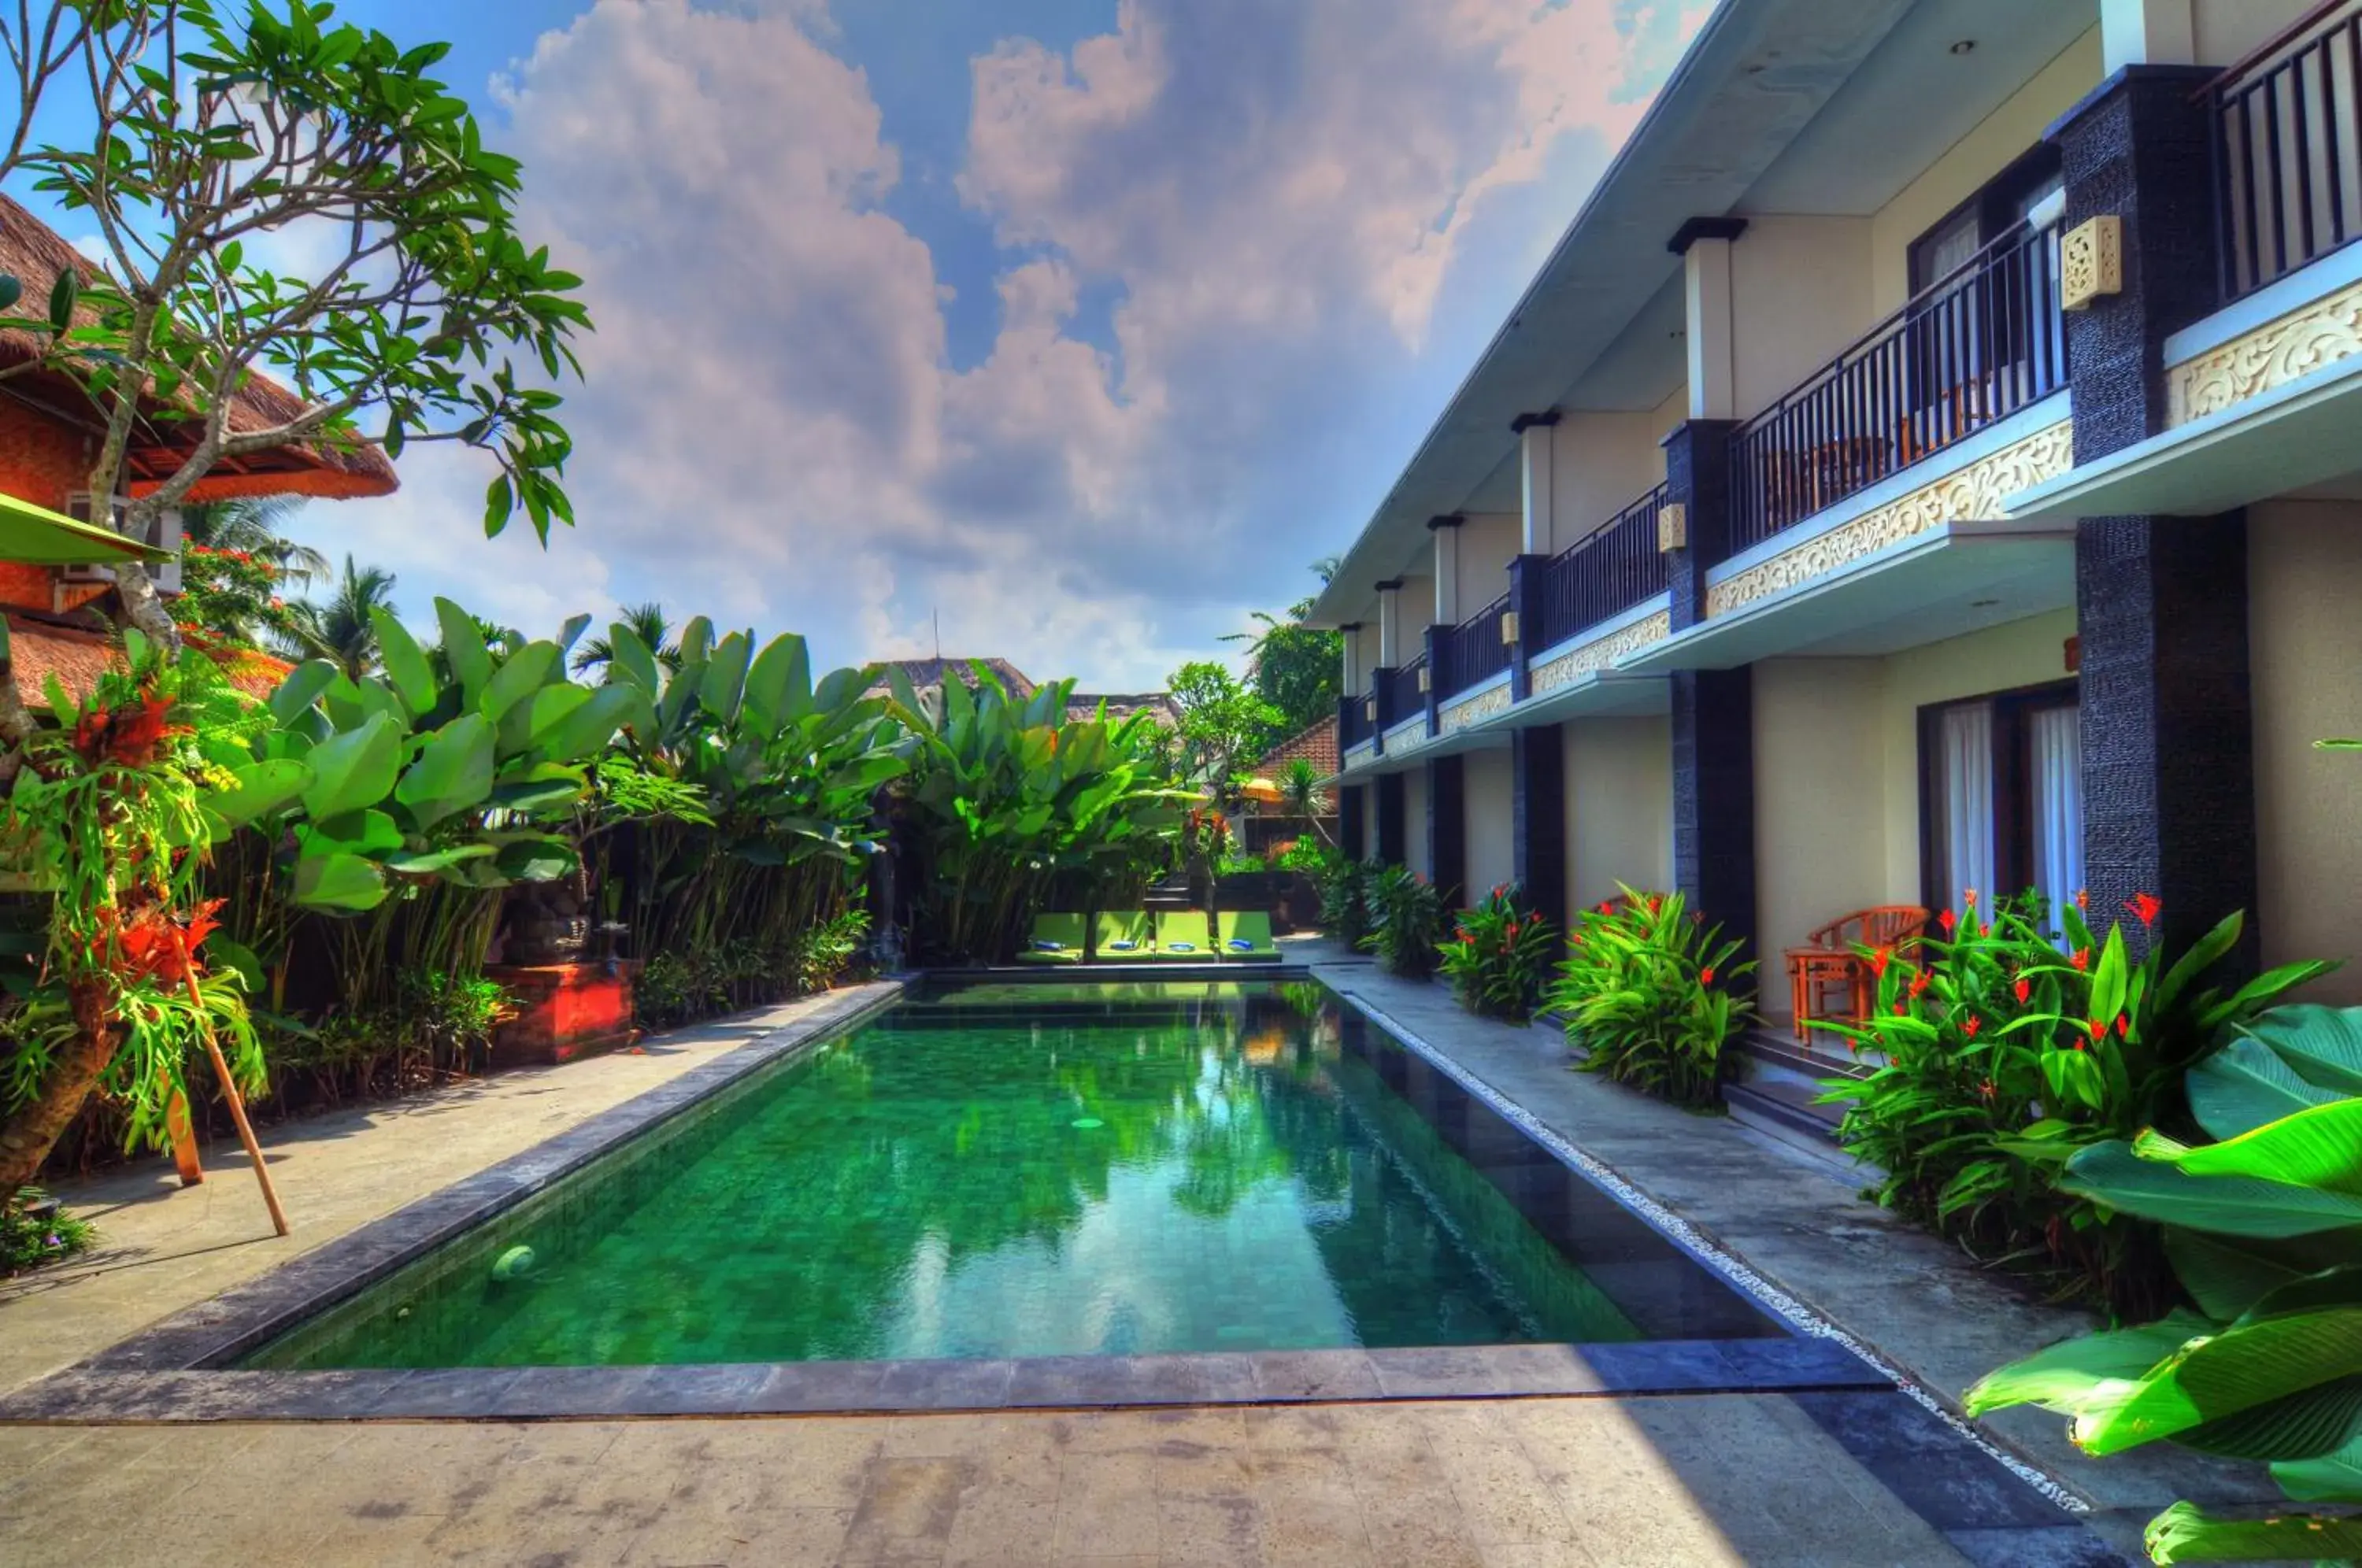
<point>1821,1057</point>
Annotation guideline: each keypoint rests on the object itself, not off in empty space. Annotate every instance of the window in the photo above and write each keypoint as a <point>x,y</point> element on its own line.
<point>1972,328</point>
<point>2002,796</point>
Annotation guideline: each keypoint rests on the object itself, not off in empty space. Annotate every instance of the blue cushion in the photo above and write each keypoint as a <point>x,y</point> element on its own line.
<point>1042,946</point>
<point>1241,945</point>
<point>1180,947</point>
<point>1123,946</point>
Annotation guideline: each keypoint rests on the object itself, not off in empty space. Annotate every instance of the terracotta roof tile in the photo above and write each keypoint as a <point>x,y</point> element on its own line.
<point>1316,743</point>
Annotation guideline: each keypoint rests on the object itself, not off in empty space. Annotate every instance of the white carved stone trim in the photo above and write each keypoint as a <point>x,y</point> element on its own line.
<point>1601,652</point>
<point>2279,352</point>
<point>1494,699</point>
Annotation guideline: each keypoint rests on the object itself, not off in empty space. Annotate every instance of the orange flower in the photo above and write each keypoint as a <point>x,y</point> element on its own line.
<point>2123,1026</point>
<point>1972,1026</point>
<point>1918,985</point>
<point>1878,961</point>
<point>2145,906</point>
<point>2025,989</point>
<point>2083,898</point>
<point>1948,920</point>
<point>1653,903</point>
<point>1707,974</point>
<point>1972,898</point>
<point>2098,1030</point>
<point>2080,958</point>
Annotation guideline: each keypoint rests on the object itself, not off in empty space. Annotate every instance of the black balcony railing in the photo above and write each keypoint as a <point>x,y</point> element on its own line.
<point>1471,652</point>
<point>1975,347</point>
<point>1409,700</point>
<point>2288,150</point>
<point>1602,575</point>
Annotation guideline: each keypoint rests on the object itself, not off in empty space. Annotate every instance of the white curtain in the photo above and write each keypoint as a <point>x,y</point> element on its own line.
<point>2055,748</point>
<point>1968,805</point>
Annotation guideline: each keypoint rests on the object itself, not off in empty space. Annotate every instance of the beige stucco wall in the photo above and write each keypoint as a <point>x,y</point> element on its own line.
<point>1819,786</point>
<point>2227,30</point>
<point>1996,142</point>
<point>1800,294</point>
<point>1601,463</point>
<point>1415,854</point>
<point>1365,651</point>
<point>1619,806</point>
<point>1487,540</point>
<point>2304,640</point>
<point>1485,797</point>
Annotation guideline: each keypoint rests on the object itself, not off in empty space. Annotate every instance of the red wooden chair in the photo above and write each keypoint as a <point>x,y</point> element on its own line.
<point>1830,979</point>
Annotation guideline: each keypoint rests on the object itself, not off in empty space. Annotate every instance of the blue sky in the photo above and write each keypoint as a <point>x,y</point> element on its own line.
<point>1083,325</point>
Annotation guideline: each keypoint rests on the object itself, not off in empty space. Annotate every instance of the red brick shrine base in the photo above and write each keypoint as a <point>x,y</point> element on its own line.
<point>564,1010</point>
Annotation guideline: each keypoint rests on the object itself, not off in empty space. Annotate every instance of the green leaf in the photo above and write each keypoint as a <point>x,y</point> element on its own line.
<point>405,662</point>
<point>2241,1368</point>
<point>630,658</point>
<point>238,959</point>
<point>725,678</point>
<point>2085,1372</point>
<point>530,668</point>
<point>587,727</point>
<point>779,683</point>
<point>2224,1278</point>
<point>302,689</point>
<point>64,294</point>
<point>463,644</point>
<point>2113,1175</point>
<point>2322,1046</point>
<point>331,880</point>
<point>262,787</point>
<point>535,859</point>
<point>354,769</point>
<point>428,862</point>
<point>11,291</point>
<point>2330,1478</point>
<point>2187,1533</point>
<point>2245,1085</point>
<point>2318,1147</point>
<point>453,773</point>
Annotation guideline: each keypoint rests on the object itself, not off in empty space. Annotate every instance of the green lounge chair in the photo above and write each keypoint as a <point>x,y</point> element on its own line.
<point>1126,938</point>
<point>1057,939</point>
<point>1246,935</point>
<point>1182,936</point>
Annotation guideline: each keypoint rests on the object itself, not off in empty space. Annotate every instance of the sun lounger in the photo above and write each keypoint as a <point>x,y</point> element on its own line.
<point>1246,935</point>
<point>1057,939</point>
<point>1181,934</point>
<point>1125,938</point>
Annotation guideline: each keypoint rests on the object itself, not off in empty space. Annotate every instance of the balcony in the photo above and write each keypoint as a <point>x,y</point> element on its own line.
<point>1353,726</point>
<point>1406,698</point>
<point>1601,576</point>
<point>1973,349</point>
<point>1471,653</point>
<point>2287,150</point>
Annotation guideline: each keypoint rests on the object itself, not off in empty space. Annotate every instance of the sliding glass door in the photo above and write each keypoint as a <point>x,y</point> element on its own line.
<point>2002,801</point>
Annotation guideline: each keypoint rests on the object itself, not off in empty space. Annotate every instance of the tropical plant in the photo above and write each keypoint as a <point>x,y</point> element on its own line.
<point>1301,795</point>
<point>2001,1057</point>
<point>1406,919</point>
<point>250,526</point>
<point>343,629</point>
<point>1292,668</point>
<point>1344,887</point>
<point>2260,1216</point>
<point>1499,955</point>
<point>1222,724</point>
<point>1648,991</point>
<point>648,623</point>
<point>231,597</point>
<point>1010,801</point>
<point>34,1231</point>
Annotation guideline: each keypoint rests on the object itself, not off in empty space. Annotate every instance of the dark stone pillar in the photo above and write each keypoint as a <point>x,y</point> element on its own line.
<point>1714,797</point>
<point>1538,818</point>
<point>1381,711</point>
<point>1352,825</point>
<point>1525,604</point>
<point>1447,829</point>
<point>1434,693</point>
<point>2161,603</point>
<point>1390,818</point>
<point>1697,480</point>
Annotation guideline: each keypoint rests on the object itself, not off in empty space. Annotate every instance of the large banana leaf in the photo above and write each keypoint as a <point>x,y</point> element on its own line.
<point>2233,1206</point>
<point>2187,1533</point>
<point>2319,1148</point>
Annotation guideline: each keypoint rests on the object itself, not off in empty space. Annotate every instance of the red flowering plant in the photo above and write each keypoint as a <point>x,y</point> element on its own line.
<point>1499,955</point>
<point>1998,1056</point>
<point>230,596</point>
<point>1652,994</point>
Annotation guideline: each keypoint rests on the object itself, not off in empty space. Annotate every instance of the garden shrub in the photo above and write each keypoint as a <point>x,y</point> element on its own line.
<point>34,1231</point>
<point>2260,1214</point>
<point>1499,957</point>
<point>2005,1056</point>
<point>1646,990</point>
<point>1343,884</point>
<point>1406,919</point>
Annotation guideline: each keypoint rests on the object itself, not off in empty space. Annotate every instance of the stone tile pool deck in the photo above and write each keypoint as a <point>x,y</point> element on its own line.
<point>1845,1472</point>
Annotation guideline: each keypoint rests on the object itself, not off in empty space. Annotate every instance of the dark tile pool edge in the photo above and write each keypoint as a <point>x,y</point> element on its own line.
<point>196,1340</point>
<point>1802,1319</point>
<point>90,1395</point>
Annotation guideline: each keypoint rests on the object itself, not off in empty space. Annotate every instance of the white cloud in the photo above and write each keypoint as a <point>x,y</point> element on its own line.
<point>1277,196</point>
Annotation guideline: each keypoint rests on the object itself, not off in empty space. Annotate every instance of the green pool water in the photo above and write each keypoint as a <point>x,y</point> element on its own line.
<point>1054,1172</point>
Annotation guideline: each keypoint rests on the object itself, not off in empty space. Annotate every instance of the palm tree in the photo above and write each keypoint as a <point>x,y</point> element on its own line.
<point>1300,795</point>
<point>646,622</point>
<point>340,630</point>
<point>252,524</point>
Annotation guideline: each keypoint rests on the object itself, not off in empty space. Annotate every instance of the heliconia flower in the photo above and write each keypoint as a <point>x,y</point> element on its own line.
<point>2123,1026</point>
<point>1902,1008</point>
<point>2025,989</point>
<point>1948,920</point>
<point>1987,1088</point>
<point>1707,974</point>
<point>1607,907</point>
<point>2080,958</point>
<point>1653,903</point>
<point>1578,939</point>
<point>2146,906</point>
<point>1972,898</point>
<point>2098,1030</point>
<point>1879,960</point>
<point>1984,930</point>
<point>2083,898</point>
<point>1972,1025</point>
<point>1918,985</point>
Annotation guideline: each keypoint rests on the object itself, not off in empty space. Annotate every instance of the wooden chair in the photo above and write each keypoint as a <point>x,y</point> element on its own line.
<point>1830,970</point>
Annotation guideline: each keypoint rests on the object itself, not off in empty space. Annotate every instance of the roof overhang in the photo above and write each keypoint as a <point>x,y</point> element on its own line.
<point>1953,580</point>
<point>2288,438</point>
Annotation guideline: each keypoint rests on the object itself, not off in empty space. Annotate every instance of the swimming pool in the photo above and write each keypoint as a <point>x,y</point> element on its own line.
<point>1048,1170</point>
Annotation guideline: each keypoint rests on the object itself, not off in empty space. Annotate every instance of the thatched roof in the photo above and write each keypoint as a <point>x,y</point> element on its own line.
<point>35,255</point>
<point>40,647</point>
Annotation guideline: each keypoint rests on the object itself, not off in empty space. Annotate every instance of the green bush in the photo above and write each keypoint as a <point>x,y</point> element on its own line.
<point>2005,1056</point>
<point>29,1238</point>
<point>1343,885</point>
<point>2261,1222</point>
<point>1499,957</point>
<point>1405,915</point>
<point>1646,990</point>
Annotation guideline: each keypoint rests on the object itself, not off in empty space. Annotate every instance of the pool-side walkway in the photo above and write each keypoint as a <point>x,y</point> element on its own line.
<point>1712,1478</point>
<point>1917,1302</point>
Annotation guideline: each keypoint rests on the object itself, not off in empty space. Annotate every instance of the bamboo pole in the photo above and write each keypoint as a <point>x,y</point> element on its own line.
<point>229,1084</point>
<point>184,1136</point>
